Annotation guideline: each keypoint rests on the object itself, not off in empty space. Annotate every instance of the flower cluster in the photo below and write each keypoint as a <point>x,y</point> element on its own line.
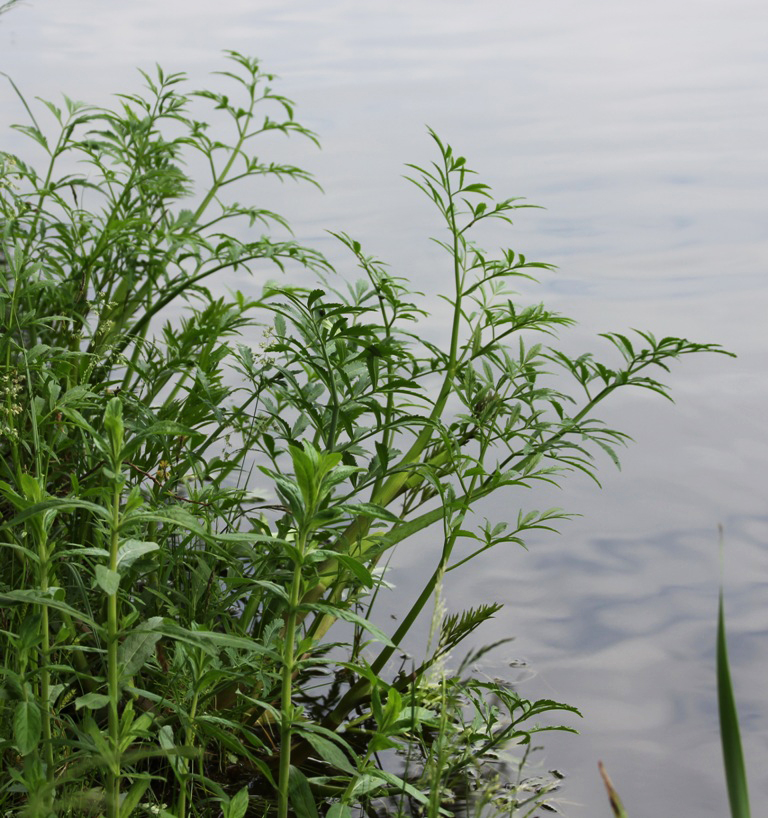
<point>11,389</point>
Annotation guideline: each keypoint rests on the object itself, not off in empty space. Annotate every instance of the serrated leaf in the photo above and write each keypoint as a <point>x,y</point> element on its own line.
<point>27,727</point>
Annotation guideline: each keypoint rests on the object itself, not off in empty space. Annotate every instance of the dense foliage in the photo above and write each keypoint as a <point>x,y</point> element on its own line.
<point>169,632</point>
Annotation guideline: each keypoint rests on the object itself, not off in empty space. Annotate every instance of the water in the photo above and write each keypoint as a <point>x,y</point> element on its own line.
<point>643,129</point>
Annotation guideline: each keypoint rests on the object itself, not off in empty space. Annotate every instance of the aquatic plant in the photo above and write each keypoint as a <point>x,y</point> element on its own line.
<point>170,633</point>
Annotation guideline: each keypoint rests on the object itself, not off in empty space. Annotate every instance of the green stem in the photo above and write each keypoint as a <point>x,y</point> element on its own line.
<point>45,673</point>
<point>113,679</point>
<point>392,487</point>
<point>189,740</point>
<point>289,661</point>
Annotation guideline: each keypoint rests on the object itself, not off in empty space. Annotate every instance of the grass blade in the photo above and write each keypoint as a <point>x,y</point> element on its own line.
<point>613,796</point>
<point>733,757</point>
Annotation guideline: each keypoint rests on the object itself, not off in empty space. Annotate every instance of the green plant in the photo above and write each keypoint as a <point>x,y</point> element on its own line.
<point>166,635</point>
<point>730,735</point>
<point>733,755</point>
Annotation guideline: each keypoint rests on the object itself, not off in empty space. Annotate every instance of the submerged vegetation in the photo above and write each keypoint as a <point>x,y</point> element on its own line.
<point>176,640</point>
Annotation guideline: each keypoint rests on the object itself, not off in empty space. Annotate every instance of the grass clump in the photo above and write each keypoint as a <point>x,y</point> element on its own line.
<point>167,629</point>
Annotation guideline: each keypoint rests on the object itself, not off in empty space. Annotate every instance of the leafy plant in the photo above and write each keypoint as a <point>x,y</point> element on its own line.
<point>168,632</point>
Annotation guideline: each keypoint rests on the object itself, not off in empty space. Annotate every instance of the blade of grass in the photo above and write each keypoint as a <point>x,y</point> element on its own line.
<point>733,756</point>
<point>613,796</point>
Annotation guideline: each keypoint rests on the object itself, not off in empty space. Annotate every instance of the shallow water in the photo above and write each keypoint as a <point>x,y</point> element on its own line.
<point>643,128</point>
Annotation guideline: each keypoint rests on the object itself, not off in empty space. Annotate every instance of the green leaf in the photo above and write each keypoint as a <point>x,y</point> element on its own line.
<point>733,755</point>
<point>33,597</point>
<point>304,468</point>
<point>211,641</point>
<point>369,510</point>
<point>354,566</point>
<point>273,588</point>
<point>31,487</point>
<point>329,751</point>
<point>59,505</point>
<point>138,646</point>
<point>102,553</point>
<point>113,423</point>
<point>107,580</point>
<point>338,811</point>
<point>477,187</point>
<point>133,796</point>
<point>366,784</point>
<point>77,418</point>
<point>27,727</point>
<point>409,717</point>
<point>349,616</point>
<point>92,701</point>
<point>131,550</point>
<point>176,516</point>
<point>160,427</point>
<point>400,785</point>
<point>302,800</point>
<point>238,805</point>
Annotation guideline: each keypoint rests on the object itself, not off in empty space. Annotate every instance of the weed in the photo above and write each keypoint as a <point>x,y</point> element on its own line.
<point>167,628</point>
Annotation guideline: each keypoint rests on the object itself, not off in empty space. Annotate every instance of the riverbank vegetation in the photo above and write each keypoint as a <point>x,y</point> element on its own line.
<point>200,492</point>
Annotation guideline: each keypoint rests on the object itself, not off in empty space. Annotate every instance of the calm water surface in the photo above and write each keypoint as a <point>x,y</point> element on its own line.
<point>643,128</point>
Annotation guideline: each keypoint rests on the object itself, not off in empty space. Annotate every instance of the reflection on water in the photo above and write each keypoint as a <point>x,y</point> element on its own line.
<point>625,629</point>
<point>642,128</point>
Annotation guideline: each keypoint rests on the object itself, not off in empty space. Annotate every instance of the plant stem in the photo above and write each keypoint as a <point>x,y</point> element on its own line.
<point>189,740</point>
<point>45,672</point>
<point>113,679</point>
<point>289,660</point>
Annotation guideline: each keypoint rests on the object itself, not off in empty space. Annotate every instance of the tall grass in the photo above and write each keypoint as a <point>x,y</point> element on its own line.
<point>730,735</point>
<point>167,636</point>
